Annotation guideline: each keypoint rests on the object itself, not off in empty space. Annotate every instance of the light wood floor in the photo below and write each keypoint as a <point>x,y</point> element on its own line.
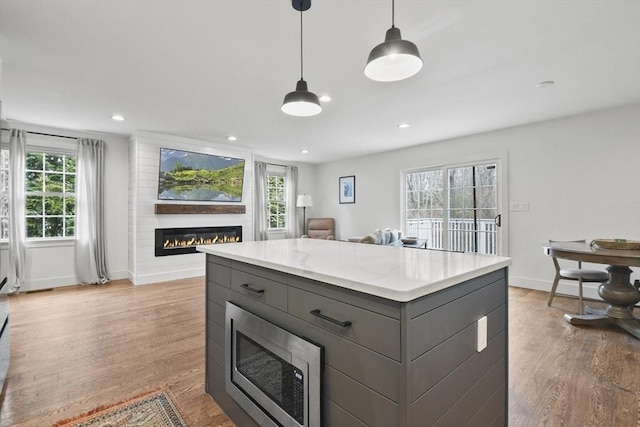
<point>76,348</point>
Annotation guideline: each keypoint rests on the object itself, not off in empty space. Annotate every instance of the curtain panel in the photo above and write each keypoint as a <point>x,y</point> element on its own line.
<point>260,225</point>
<point>91,257</point>
<point>17,203</point>
<point>291,190</point>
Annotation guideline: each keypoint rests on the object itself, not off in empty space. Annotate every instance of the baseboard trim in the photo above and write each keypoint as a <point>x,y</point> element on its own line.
<point>166,276</point>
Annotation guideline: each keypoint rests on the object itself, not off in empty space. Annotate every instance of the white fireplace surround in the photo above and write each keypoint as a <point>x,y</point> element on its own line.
<point>144,157</point>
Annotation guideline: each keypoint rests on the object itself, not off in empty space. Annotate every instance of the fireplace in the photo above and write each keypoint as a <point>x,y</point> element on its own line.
<point>176,241</point>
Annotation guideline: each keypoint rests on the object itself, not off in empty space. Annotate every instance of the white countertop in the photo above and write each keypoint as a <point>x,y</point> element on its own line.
<point>395,273</point>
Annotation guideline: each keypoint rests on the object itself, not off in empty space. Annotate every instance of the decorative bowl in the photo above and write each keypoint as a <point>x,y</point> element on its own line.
<point>409,240</point>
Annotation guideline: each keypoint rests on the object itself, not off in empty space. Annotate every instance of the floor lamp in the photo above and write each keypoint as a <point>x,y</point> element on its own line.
<point>304,201</point>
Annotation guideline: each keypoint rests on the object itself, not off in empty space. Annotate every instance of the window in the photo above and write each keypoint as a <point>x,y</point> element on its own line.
<point>424,206</point>
<point>4,194</point>
<point>453,207</point>
<point>276,201</point>
<point>50,195</point>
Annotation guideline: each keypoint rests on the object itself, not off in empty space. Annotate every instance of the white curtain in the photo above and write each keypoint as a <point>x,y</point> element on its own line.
<point>91,257</point>
<point>17,204</point>
<point>260,217</point>
<point>291,190</point>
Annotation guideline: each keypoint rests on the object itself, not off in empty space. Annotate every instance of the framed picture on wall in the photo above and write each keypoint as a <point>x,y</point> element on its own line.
<point>347,189</point>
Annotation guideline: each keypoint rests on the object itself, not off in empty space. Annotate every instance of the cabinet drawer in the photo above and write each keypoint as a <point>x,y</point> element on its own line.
<point>260,288</point>
<point>374,331</point>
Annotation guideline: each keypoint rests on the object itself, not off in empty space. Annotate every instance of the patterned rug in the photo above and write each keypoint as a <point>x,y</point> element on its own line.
<point>151,409</point>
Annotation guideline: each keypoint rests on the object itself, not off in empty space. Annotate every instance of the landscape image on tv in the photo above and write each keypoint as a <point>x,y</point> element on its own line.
<point>200,177</point>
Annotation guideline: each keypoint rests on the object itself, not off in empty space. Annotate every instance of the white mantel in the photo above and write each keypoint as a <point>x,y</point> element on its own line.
<point>395,273</point>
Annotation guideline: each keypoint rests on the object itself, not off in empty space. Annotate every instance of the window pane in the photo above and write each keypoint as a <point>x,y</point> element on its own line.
<point>53,227</point>
<point>456,198</point>
<point>437,199</point>
<point>486,197</point>
<point>33,181</point>
<point>53,183</point>
<point>412,200</point>
<point>70,164</point>
<point>70,183</point>
<point>54,162</point>
<point>70,226</point>
<point>69,206</point>
<point>486,175</point>
<point>53,205</point>
<point>34,161</point>
<point>34,226</point>
<point>34,205</point>
<point>487,214</point>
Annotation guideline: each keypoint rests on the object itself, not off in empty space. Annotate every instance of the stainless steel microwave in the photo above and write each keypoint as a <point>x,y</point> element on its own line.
<point>274,375</point>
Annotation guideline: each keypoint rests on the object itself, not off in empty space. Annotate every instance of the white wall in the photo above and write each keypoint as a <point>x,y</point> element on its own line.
<point>580,176</point>
<point>144,156</point>
<point>52,264</point>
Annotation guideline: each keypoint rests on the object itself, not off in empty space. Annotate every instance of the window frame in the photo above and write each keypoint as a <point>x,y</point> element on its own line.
<point>50,144</point>
<point>44,194</point>
<point>282,203</point>
<point>499,158</point>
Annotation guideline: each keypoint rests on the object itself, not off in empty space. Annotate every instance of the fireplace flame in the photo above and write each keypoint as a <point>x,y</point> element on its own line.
<point>200,240</point>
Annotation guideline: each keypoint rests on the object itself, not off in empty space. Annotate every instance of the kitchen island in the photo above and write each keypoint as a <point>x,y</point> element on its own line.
<point>402,329</point>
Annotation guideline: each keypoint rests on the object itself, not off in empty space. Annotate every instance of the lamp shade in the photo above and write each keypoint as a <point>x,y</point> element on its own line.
<point>394,59</point>
<point>304,201</point>
<point>301,102</point>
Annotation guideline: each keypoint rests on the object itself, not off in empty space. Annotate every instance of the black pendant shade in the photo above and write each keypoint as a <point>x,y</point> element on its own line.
<point>301,102</point>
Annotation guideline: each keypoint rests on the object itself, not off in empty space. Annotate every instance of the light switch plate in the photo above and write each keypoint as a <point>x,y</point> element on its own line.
<point>482,333</point>
<point>519,206</point>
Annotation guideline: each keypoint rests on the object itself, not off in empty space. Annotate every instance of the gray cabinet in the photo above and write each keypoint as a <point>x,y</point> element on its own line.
<point>396,364</point>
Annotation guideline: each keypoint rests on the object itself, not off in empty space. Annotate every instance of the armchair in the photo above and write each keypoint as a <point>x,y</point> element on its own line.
<point>320,228</point>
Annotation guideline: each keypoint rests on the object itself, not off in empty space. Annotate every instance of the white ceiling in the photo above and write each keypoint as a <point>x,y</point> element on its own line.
<point>208,69</point>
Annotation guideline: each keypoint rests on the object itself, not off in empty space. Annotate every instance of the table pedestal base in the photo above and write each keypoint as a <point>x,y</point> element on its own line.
<point>594,317</point>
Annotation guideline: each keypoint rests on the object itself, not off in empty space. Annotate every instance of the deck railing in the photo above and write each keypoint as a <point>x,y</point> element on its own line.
<point>461,234</point>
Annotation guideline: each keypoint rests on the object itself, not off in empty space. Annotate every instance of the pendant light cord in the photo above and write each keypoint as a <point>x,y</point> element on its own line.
<point>393,13</point>
<point>301,61</point>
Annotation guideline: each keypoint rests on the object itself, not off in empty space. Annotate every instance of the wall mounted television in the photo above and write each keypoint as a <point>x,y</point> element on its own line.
<point>185,175</point>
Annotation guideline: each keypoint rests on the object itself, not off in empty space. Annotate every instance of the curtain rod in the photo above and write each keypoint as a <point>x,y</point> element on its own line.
<point>275,164</point>
<point>46,134</point>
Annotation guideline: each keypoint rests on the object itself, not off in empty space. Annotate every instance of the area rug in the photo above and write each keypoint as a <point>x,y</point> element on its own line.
<point>154,408</point>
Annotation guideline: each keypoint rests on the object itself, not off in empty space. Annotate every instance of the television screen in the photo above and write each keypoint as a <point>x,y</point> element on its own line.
<point>199,177</point>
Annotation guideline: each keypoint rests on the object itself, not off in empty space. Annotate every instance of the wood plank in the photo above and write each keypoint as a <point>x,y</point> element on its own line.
<point>181,208</point>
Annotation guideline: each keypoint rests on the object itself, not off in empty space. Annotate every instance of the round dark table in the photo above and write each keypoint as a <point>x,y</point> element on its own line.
<point>618,291</point>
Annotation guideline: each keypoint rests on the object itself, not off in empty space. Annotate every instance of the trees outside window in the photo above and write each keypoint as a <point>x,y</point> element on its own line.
<point>4,194</point>
<point>50,195</point>
<point>453,207</point>
<point>276,201</point>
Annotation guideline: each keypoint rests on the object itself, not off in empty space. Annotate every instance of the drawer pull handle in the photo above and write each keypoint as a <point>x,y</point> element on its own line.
<point>344,324</point>
<point>250,289</point>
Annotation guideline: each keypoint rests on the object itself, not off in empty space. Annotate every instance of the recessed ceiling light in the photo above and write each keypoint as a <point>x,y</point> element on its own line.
<point>118,117</point>
<point>325,98</point>
<point>304,151</point>
<point>403,125</point>
<point>547,83</point>
<point>232,138</point>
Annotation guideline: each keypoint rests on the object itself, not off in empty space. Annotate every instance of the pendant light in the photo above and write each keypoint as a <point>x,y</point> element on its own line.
<point>301,102</point>
<point>394,59</point>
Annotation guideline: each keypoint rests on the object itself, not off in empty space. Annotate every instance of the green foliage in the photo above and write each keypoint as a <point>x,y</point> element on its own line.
<point>50,204</point>
<point>184,179</point>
